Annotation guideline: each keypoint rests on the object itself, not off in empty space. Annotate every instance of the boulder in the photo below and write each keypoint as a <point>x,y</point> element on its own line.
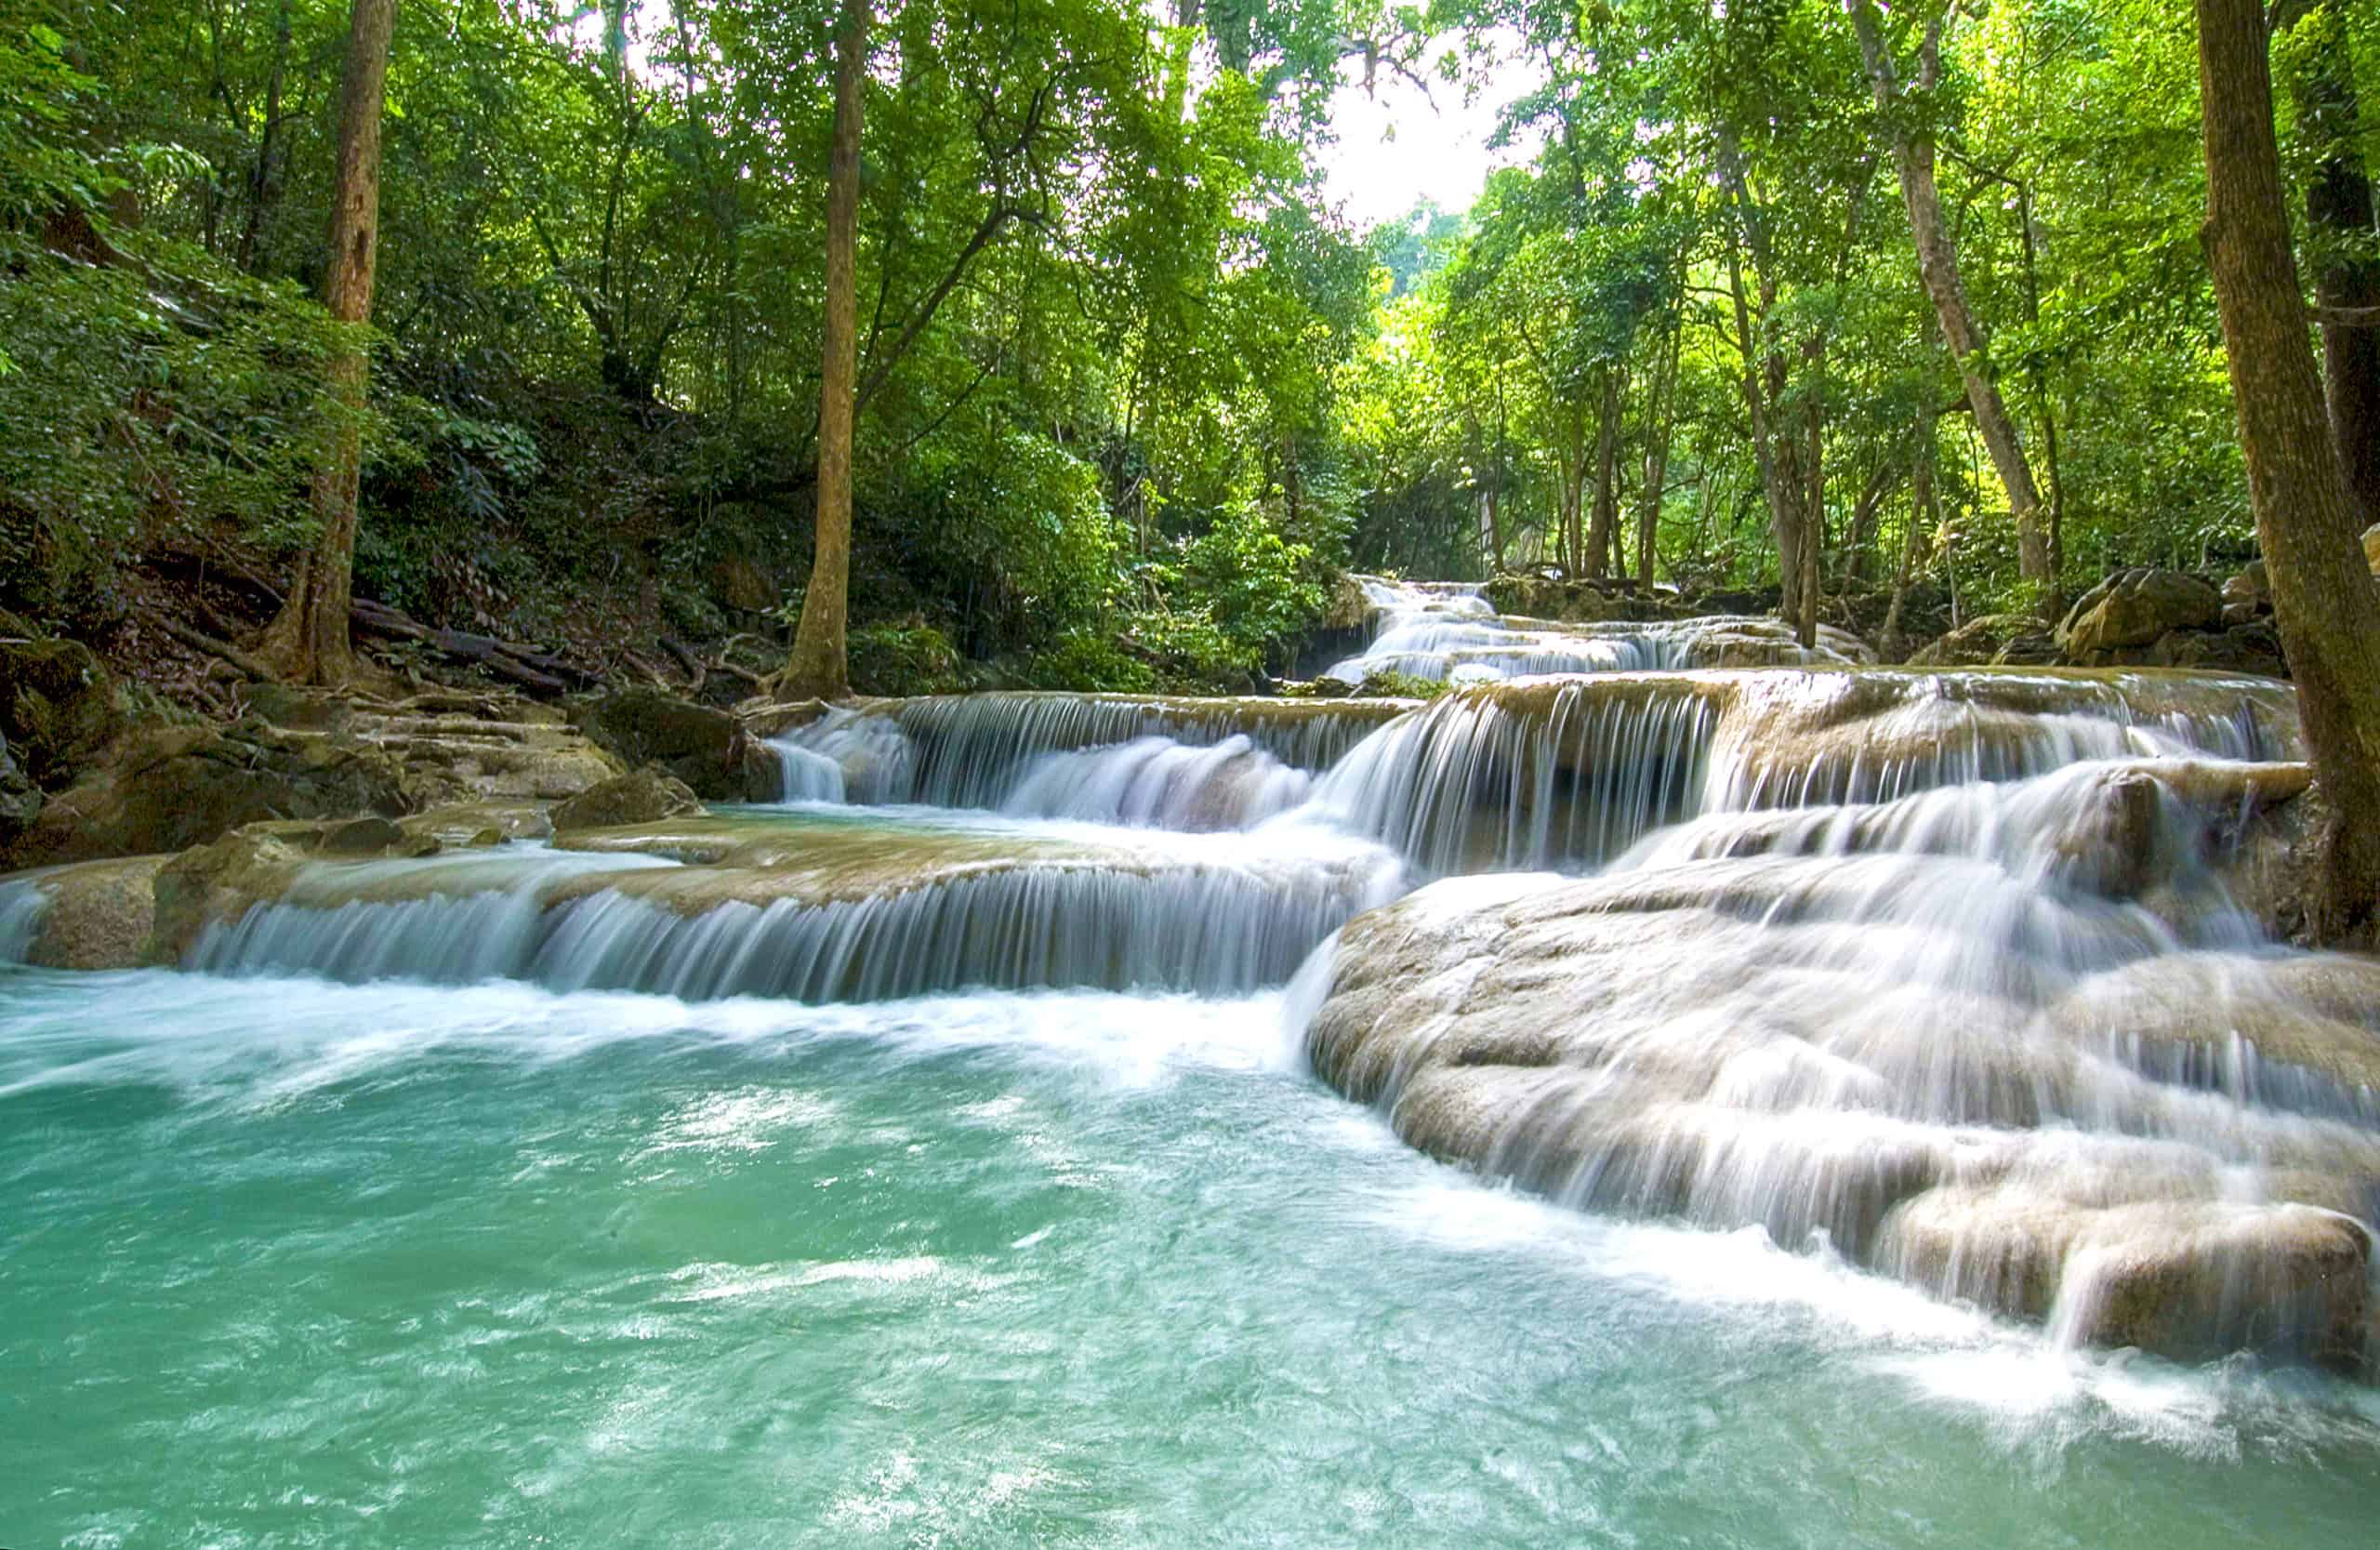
<point>481,823</point>
<point>2253,647</point>
<point>739,584</point>
<point>2248,594</point>
<point>99,915</point>
<point>2133,607</point>
<point>707,749</point>
<point>218,882</point>
<point>2372,546</point>
<point>1976,642</point>
<point>58,708</point>
<point>20,798</point>
<point>172,788</point>
<point>648,796</point>
<point>371,836</point>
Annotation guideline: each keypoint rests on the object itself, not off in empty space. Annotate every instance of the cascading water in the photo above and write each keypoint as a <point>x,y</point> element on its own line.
<point>1156,782</point>
<point>1070,915</point>
<point>1444,633</point>
<point>22,905</point>
<point>550,1171</point>
<point>1570,772</point>
<point>1911,1026</point>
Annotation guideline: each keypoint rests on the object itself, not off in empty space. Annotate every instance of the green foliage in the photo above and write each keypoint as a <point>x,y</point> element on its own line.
<point>1397,685</point>
<point>1263,591</point>
<point>138,404</point>
<point>911,657</point>
<point>1086,659</point>
<point>1132,389</point>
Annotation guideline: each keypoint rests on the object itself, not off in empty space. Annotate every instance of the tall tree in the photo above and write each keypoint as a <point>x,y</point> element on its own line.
<point>309,639</point>
<point>2323,588</point>
<point>1937,264</point>
<point>2339,223</point>
<point>819,667</point>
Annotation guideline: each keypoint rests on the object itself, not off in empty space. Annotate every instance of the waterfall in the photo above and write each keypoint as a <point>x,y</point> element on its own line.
<point>1156,782</point>
<point>1445,633</point>
<point>1572,771</point>
<point>2012,1041</point>
<point>806,773</point>
<point>1495,779</point>
<point>846,755</point>
<point>1217,925</point>
<point>23,902</point>
<point>973,751</point>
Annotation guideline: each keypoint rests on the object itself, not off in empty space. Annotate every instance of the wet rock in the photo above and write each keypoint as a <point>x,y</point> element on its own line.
<point>167,791</point>
<point>220,882</point>
<point>646,796</point>
<point>2133,608</point>
<point>773,719</point>
<point>1894,1051</point>
<point>20,798</point>
<point>101,914</point>
<point>479,823</point>
<point>707,749</point>
<point>370,836</point>
<point>1349,607</point>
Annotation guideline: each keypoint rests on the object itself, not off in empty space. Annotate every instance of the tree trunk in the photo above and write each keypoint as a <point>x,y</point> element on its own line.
<point>820,666</point>
<point>1921,522</point>
<point>309,640</point>
<point>1657,458</point>
<point>2323,597</point>
<point>1938,265</point>
<point>1496,484</point>
<point>1778,484</point>
<point>2346,282</point>
<point>1607,511</point>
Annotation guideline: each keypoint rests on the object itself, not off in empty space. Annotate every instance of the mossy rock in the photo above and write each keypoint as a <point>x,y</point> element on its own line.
<point>58,708</point>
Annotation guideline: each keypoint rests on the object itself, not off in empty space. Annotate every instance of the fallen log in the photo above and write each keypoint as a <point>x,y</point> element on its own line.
<point>522,665</point>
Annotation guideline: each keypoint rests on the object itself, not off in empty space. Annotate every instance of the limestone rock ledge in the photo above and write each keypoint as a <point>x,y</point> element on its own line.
<point>2026,1099</point>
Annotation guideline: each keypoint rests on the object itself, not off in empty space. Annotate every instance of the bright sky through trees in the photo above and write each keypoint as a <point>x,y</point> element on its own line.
<point>1396,144</point>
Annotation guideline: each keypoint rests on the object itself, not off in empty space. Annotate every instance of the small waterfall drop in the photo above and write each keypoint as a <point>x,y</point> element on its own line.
<point>24,903</point>
<point>1449,633</point>
<point>846,755</point>
<point>822,918</point>
<point>1157,783</point>
<point>973,751</point>
<point>1570,772</point>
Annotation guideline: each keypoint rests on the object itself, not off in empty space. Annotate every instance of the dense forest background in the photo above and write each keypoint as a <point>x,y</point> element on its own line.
<point>1132,391</point>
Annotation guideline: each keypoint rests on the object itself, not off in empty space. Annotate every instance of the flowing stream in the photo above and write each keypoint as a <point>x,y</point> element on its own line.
<point>938,1156</point>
